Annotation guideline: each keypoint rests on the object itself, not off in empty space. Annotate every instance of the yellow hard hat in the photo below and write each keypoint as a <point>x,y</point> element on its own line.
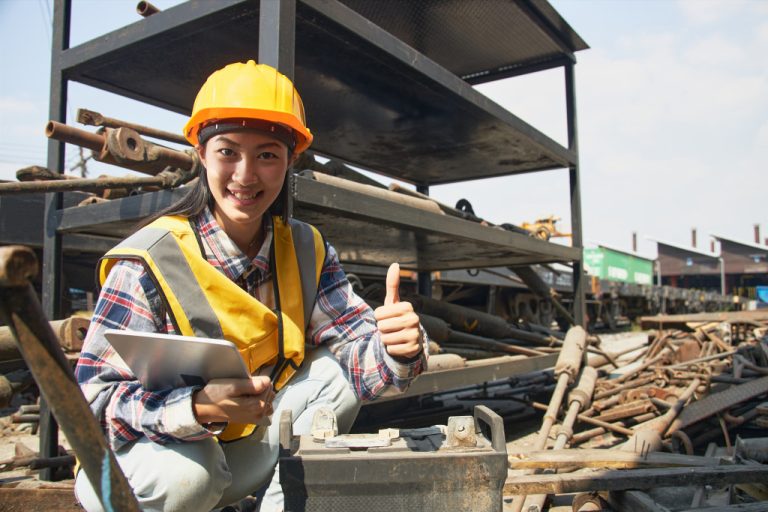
<point>249,91</point>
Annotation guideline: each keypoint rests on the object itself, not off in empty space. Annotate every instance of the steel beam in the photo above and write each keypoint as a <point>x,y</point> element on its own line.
<point>579,285</point>
<point>52,246</point>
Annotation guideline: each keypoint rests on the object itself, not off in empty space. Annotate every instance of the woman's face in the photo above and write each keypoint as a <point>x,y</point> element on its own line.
<point>245,173</point>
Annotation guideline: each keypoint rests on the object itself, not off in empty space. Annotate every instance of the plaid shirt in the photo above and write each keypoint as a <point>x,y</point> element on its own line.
<point>129,300</point>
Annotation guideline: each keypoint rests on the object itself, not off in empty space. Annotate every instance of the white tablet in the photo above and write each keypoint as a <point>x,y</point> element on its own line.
<point>162,361</point>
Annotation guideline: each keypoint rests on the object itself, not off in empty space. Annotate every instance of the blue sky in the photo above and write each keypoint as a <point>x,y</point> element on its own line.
<point>672,111</point>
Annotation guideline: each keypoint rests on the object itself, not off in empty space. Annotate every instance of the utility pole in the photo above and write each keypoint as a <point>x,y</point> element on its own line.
<point>82,164</point>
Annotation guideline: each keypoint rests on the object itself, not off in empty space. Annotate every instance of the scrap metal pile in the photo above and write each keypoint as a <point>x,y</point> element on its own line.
<point>681,393</point>
<point>675,408</point>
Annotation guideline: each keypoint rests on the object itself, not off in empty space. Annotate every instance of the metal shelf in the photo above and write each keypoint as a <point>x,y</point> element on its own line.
<point>364,229</point>
<point>371,99</point>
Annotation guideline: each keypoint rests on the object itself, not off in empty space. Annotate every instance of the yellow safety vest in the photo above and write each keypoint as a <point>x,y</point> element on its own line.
<point>201,301</point>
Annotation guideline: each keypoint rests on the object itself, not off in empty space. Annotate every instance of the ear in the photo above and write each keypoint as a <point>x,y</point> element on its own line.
<point>201,153</point>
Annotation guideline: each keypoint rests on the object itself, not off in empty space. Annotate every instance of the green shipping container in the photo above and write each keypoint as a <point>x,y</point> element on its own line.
<point>617,266</point>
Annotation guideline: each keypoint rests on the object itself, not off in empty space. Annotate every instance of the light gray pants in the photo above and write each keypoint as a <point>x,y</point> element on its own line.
<point>201,475</point>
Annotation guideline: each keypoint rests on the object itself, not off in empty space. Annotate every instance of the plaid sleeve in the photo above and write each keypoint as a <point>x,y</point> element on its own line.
<point>345,323</point>
<point>129,300</point>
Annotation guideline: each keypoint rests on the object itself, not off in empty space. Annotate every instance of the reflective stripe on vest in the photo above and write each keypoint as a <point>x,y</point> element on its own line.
<point>202,301</point>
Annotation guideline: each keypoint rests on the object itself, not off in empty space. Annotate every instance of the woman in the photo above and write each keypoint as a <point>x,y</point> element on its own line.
<point>226,262</point>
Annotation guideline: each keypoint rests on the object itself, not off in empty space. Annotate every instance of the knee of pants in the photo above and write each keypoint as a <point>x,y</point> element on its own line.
<point>185,476</point>
<point>322,382</point>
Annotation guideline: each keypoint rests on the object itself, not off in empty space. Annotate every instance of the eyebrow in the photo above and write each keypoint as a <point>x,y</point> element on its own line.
<point>223,138</point>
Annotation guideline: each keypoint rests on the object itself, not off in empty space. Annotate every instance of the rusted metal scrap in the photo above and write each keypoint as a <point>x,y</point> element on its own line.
<point>123,147</point>
<point>20,310</point>
<point>92,118</point>
<point>566,369</point>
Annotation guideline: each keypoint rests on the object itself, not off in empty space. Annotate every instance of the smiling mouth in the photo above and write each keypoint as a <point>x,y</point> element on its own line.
<point>242,196</point>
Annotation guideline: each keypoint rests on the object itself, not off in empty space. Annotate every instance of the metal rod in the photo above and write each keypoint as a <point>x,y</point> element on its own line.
<point>123,147</point>
<point>52,243</point>
<point>85,185</point>
<point>566,369</point>
<point>71,135</point>
<point>146,9</point>
<point>578,398</point>
<point>20,309</point>
<point>91,118</point>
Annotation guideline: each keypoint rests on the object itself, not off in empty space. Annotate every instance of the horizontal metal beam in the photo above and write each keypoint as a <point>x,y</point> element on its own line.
<point>97,218</point>
<point>446,380</point>
<point>327,198</point>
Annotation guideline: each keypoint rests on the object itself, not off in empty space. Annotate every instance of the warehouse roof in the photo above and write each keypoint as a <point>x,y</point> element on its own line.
<point>691,250</point>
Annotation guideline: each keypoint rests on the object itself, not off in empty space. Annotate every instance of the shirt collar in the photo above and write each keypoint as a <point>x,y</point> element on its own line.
<point>223,253</point>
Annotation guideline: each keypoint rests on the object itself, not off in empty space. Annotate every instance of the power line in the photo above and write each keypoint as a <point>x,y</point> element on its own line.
<point>47,18</point>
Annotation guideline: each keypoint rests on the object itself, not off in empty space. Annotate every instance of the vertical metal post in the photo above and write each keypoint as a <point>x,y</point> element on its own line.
<point>52,249</point>
<point>722,275</point>
<point>579,309</point>
<point>424,279</point>
<point>277,45</point>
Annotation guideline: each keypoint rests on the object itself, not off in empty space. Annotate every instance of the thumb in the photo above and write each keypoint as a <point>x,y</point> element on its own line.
<point>258,385</point>
<point>392,285</point>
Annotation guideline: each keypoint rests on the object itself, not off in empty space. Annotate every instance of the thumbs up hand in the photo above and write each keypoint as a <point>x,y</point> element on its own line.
<point>397,322</point>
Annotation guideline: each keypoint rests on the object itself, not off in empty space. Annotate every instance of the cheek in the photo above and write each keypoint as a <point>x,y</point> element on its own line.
<point>275,178</point>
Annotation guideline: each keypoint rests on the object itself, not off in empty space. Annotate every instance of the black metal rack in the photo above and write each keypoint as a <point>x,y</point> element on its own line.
<point>387,86</point>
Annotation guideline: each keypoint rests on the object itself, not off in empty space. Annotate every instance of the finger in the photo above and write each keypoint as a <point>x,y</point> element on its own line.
<point>398,322</point>
<point>252,386</point>
<point>399,309</point>
<point>403,337</point>
<point>392,285</point>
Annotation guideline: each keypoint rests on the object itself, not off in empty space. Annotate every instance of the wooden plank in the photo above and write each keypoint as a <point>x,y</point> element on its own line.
<point>657,321</point>
<point>620,480</point>
<point>24,500</point>
<point>613,459</point>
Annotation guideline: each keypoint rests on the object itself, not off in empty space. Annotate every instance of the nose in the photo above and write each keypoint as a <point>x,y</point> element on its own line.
<point>245,171</point>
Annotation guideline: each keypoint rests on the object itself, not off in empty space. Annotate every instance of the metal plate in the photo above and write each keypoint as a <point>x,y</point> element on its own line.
<point>476,39</point>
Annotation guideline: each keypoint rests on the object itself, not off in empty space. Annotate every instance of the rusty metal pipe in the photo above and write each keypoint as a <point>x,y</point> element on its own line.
<point>662,423</point>
<point>82,185</point>
<point>76,136</point>
<point>704,359</point>
<point>597,431</point>
<point>20,310</point>
<point>146,9</point>
<point>462,338</point>
<point>642,381</point>
<point>626,411</point>
<point>617,428</point>
<point>578,400</point>
<point>650,362</point>
<point>123,147</point>
<point>91,118</point>
<point>70,332</point>
<point>566,368</point>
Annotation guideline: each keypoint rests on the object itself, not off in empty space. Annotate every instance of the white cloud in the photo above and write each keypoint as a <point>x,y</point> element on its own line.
<point>761,138</point>
<point>16,106</point>
<point>761,32</point>
<point>715,51</point>
<point>705,12</point>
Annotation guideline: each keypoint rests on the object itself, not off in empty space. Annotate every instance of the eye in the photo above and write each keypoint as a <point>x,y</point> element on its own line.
<point>227,152</point>
<point>267,155</point>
